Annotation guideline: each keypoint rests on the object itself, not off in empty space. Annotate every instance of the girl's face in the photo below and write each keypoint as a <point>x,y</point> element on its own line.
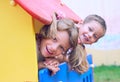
<point>55,46</point>
<point>90,32</point>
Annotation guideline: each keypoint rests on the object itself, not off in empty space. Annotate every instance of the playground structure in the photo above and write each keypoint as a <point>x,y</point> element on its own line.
<point>19,22</point>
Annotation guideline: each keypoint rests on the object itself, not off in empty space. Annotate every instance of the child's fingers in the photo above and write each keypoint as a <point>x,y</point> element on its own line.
<point>52,62</point>
<point>55,70</point>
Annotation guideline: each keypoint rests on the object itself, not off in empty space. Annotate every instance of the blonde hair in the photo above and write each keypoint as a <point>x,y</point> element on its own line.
<point>78,60</point>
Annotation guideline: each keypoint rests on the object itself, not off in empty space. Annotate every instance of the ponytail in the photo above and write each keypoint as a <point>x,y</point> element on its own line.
<point>77,59</point>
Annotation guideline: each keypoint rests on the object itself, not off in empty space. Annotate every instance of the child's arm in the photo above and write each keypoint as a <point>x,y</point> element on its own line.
<point>41,65</point>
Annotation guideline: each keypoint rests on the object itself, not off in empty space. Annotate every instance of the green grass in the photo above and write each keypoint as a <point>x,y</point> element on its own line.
<point>107,74</point>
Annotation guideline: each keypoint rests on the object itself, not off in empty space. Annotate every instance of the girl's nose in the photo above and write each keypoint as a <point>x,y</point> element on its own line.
<point>91,37</point>
<point>54,47</point>
<point>90,34</point>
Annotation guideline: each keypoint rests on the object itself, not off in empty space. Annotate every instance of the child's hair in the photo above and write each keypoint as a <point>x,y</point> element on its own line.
<point>49,31</point>
<point>96,18</point>
<point>78,60</point>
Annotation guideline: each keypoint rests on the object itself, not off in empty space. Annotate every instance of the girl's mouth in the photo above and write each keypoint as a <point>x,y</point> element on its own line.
<point>85,37</point>
<point>49,52</point>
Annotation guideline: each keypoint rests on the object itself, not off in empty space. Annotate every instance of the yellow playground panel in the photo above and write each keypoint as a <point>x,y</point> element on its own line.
<point>17,45</point>
<point>17,39</point>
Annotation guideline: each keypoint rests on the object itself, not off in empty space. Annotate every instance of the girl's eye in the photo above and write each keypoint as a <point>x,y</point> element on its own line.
<point>55,39</point>
<point>95,36</point>
<point>90,29</point>
<point>62,49</point>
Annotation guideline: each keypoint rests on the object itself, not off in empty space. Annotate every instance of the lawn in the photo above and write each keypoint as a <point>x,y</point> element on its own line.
<point>107,74</point>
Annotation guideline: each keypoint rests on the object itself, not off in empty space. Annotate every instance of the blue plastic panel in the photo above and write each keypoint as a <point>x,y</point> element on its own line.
<point>67,75</point>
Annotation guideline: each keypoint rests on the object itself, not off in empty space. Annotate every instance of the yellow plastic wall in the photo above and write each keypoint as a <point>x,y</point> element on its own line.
<point>17,45</point>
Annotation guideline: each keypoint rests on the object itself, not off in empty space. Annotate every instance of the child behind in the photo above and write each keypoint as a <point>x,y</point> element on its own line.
<point>91,29</point>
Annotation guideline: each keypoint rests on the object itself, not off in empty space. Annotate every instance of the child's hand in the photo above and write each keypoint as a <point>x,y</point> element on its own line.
<point>60,15</point>
<point>52,64</point>
<point>53,68</point>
